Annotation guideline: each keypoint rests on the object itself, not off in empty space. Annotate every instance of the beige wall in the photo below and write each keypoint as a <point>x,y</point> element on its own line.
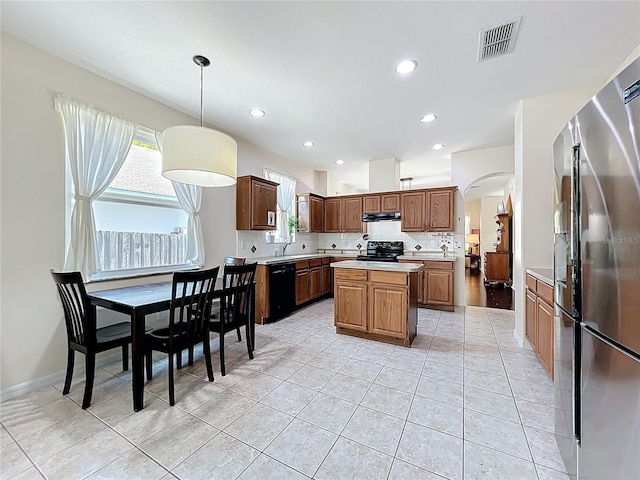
<point>488,227</point>
<point>472,209</point>
<point>33,339</point>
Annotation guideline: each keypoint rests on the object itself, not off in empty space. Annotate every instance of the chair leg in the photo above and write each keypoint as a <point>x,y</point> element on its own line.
<point>190,355</point>
<point>125,357</point>
<point>172,398</point>
<point>249,343</point>
<point>179,359</point>
<point>222,370</point>
<point>239,336</point>
<point>90,361</point>
<point>71,356</point>
<point>149,360</point>
<point>206,348</point>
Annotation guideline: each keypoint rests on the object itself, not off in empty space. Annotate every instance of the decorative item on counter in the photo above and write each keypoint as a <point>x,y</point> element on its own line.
<point>418,247</point>
<point>253,249</point>
<point>270,237</point>
<point>501,208</point>
<point>292,223</point>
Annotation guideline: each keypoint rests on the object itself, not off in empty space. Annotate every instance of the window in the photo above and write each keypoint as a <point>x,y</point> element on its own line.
<point>140,224</point>
<point>286,210</point>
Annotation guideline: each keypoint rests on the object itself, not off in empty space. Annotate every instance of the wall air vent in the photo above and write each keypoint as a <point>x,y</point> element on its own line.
<point>498,40</point>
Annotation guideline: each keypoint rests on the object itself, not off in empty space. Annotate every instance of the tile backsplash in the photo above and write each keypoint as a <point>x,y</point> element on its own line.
<point>247,240</point>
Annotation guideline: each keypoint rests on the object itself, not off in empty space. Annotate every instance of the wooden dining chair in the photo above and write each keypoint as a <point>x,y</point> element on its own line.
<point>188,322</point>
<point>235,306</point>
<point>82,333</point>
<point>234,260</point>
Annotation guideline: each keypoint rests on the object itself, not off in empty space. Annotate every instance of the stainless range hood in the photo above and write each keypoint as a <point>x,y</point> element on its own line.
<point>380,216</point>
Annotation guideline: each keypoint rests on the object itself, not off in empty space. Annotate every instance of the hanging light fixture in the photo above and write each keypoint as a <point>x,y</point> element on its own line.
<point>198,155</point>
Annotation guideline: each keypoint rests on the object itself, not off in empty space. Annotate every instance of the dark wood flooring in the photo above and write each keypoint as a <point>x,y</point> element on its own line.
<point>494,296</point>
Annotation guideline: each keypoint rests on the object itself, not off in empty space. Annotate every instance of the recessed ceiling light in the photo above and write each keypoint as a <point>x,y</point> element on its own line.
<point>308,144</point>
<point>339,162</point>
<point>438,146</point>
<point>406,66</point>
<point>429,117</point>
<point>256,112</point>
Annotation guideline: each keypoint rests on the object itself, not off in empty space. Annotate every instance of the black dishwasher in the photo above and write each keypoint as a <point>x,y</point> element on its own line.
<point>282,290</point>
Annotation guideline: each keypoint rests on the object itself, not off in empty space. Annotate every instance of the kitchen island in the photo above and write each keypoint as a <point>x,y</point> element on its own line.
<point>376,300</point>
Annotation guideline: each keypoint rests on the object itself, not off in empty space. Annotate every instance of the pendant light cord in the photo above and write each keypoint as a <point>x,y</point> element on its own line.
<point>201,93</point>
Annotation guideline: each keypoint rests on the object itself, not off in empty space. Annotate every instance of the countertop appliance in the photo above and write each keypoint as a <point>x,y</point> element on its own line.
<point>597,284</point>
<point>282,290</point>
<point>380,251</point>
<point>380,216</point>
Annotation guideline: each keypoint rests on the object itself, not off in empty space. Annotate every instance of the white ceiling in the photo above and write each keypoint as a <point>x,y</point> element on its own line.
<point>324,71</point>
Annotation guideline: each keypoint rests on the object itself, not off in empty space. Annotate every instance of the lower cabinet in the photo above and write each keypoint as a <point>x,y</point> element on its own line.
<point>435,283</point>
<point>302,286</point>
<point>326,278</point>
<point>315,282</point>
<point>539,320</point>
<point>375,304</point>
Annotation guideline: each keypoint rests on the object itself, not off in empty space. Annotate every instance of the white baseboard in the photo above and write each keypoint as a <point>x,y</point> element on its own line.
<point>518,338</point>
<point>49,380</point>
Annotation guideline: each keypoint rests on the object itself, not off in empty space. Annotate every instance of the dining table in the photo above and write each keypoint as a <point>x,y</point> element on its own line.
<point>138,301</point>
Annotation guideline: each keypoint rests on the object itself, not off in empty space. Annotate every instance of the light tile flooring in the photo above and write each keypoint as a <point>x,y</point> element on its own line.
<point>464,402</point>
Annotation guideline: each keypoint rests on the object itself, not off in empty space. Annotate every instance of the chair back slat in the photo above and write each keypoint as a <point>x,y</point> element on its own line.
<point>238,280</point>
<point>190,305</point>
<point>79,317</point>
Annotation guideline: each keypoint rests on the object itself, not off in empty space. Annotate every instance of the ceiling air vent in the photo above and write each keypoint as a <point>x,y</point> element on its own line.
<point>498,40</point>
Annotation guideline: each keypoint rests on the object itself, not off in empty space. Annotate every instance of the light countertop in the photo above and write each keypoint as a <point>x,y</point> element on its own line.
<point>430,256</point>
<point>295,258</point>
<point>386,266</point>
<point>543,274</point>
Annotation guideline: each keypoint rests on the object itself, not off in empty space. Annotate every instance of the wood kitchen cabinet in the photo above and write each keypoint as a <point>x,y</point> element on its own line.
<point>388,304</point>
<point>412,211</point>
<point>384,202</point>
<point>315,278</point>
<point>371,204</point>
<point>343,214</point>
<point>539,320</point>
<point>332,215</point>
<point>310,213</point>
<point>440,211</point>
<point>435,284</point>
<point>302,282</point>
<point>256,203</point>
<point>326,276</point>
<point>350,304</point>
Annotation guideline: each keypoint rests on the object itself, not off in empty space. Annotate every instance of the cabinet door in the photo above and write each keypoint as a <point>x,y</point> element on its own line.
<point>496,267</point>
<point>263,200</point>
<point>412,212</point>
<point>326,279</point>
<point>315,282</point>
<point>316,214</point>
<point>352,215</point>
<point>332,215</point>
<point>530,319</point>
<point>439,288</point>
<point>388,308</point>
<point>390,202</point>
<point>302,286</point>
<point>440,211</point>
<point>544,334</point>
<point>350,305</point>
<point>371,204</point>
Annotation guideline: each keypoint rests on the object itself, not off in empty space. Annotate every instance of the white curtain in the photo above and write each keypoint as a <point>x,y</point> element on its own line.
<point>97,144</point>
<point>286,199</point>
<point>190,199</point>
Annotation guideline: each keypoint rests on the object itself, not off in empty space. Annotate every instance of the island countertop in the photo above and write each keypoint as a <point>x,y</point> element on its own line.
<point>437,257</point>
<point>384,266</point>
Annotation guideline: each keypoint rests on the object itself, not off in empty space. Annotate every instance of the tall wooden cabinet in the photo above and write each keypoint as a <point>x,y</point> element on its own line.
<point>256,203</point>
<point>498,264</point>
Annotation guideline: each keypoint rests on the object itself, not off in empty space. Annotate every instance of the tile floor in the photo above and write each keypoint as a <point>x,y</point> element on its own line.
<point>464,402</point>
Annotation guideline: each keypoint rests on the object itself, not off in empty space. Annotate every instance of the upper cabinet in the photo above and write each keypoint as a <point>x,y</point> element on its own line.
<point>310,213</point>
<point>440,212</point>
<point>256,202</point>
<point>343,214</point>
<point>384,202</point>
<point>412,211</point>
<point>371,204</point>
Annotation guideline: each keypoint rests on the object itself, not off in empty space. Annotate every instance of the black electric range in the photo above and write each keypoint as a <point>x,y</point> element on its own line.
<point>380,251</point>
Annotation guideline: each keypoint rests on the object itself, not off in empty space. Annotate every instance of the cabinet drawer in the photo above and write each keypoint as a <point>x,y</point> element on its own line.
<point>545,292</point>
<point>315,262</point>
<point>302,264</point>
<point>531,283</point>
<point>391,278</point>
<point>437,265</point>
<point>350,275</point>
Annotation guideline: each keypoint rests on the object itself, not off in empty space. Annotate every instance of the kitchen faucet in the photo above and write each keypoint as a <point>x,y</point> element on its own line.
<point>284,247</point>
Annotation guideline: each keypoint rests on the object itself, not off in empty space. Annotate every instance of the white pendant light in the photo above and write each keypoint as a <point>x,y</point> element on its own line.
<point>198,155</point>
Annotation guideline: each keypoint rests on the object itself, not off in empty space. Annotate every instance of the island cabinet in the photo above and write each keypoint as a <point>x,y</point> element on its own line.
<point>256,203</point>
<point>310,213</point>
<point>435,283</point>
<point>539,320</point>
<point>376,304</point>
<point>343,214</point>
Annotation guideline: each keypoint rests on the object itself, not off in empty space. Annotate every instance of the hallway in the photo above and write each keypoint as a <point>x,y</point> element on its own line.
<point>477,295</point>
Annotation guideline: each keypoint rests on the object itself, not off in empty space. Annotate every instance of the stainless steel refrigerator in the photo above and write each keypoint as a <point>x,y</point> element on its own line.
<point>597,284</point>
